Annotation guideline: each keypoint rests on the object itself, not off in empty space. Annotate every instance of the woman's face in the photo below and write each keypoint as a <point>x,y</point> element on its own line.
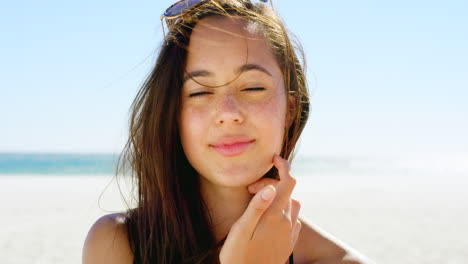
<point>230,133</point>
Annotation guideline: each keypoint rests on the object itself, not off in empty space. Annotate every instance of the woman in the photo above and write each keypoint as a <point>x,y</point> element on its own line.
<point>211,133</point>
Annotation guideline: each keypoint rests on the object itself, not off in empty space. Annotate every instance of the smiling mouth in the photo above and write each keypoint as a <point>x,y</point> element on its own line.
<point>229,150</point>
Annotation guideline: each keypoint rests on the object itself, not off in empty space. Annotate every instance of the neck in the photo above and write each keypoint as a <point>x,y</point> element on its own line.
<point>225,204</point>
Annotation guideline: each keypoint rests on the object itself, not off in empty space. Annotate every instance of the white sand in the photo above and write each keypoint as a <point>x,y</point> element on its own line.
<point>411,219</point>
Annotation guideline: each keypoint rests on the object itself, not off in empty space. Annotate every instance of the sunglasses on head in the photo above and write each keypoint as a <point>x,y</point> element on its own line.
<point>178,8</point>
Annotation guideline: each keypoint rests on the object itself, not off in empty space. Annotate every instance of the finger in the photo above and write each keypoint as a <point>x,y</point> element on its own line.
<point>257,206</point>
<point>295,208</point>
<point>292,212</point>
<point>287,210</point>
<point>296,231</point>
<point>285,186</point>
<point>258,185</point>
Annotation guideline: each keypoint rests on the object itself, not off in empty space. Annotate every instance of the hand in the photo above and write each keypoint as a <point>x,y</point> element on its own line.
<point>268,229</point>
<point>258,185</point>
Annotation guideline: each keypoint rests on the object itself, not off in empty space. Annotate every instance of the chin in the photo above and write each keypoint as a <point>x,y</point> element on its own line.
<point>238,176</point>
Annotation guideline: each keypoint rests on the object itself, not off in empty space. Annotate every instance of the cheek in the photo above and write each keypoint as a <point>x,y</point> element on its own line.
<point>270,119</point>
<point>193,123</point>
<point>272,111</point>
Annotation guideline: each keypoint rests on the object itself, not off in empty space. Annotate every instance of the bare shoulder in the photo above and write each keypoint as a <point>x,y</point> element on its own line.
<point>317,246</point>
<point>107,241</point>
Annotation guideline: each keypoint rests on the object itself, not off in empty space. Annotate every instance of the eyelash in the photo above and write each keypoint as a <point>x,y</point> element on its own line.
<point>248,89</point>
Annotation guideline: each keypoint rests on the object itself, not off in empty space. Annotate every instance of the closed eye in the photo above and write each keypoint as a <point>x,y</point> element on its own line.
<point>255,89</point>
<point>198,94</point>
<point>247,89</point>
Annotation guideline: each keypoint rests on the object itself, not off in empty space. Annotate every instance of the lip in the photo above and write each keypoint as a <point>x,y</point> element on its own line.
<point>232,146</point>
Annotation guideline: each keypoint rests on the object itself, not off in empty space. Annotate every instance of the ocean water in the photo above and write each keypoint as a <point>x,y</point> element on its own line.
<point>455,164</point>
<point>57,164</point>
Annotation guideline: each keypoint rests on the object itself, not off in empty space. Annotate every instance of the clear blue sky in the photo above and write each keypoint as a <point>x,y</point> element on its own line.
<point>385,76</point>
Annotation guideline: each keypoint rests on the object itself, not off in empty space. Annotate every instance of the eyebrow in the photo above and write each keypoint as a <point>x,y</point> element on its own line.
<point>241,69</point>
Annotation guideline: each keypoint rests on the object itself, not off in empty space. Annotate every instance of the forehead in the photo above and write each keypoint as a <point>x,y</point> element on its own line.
<point>223,43</point>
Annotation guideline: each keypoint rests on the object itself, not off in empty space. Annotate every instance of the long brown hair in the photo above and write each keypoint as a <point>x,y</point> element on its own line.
<point>170,223</point>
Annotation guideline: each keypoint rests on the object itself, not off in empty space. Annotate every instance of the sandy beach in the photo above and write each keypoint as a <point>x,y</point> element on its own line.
<point>400,219</point>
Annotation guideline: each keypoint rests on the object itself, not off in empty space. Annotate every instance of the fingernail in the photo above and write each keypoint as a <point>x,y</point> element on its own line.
<point>268,193</point>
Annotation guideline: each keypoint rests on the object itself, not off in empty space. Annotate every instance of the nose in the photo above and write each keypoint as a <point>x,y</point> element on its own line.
<point>228,110</point>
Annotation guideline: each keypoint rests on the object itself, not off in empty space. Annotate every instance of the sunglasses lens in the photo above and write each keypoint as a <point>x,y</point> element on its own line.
<point>179,7</point>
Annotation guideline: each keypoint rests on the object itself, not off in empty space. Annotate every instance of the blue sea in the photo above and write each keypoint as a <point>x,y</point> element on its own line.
<point>105,164</point>
<point>57,163</point>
